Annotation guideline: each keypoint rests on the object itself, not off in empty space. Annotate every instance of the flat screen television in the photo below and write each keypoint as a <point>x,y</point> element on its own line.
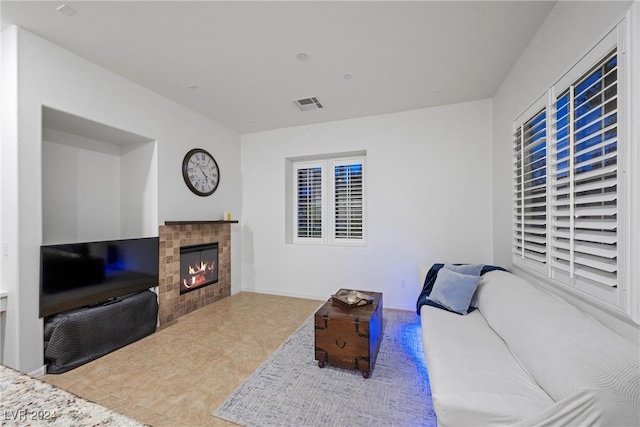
<point>76,275</point>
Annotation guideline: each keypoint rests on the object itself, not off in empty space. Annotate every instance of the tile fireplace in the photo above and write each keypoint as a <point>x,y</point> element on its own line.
<point>174,235</point>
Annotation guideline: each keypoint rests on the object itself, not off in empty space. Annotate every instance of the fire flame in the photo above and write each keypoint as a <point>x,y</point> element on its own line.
<point>198,273</point>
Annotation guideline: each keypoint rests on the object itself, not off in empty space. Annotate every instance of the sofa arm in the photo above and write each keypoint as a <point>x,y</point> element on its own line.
<point>589,407</point>
<point>563,348</point>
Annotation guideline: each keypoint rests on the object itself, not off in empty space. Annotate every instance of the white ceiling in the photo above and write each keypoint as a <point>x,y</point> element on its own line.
<point>242,55</point>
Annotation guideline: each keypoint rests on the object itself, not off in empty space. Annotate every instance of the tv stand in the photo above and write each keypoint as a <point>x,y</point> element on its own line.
<point>76,337</point>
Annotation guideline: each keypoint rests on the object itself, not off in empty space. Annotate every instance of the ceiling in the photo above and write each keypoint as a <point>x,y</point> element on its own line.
<point>363,57</point>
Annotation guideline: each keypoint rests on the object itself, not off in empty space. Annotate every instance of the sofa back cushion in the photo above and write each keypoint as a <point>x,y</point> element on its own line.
<point>563,348</point>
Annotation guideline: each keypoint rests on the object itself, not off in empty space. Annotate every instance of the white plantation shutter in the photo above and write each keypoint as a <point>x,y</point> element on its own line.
<point>588,239</point>
<point>530,190</point>
<point>348,199</point>
<point>561,210</point>
<point>584,184</point>
<point>329,200</point>
<point>309,200</point>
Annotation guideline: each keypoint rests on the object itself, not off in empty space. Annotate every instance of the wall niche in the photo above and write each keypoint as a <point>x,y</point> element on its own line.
<point>98,182</point>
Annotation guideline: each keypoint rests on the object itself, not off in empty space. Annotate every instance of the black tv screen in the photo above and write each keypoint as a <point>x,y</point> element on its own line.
<point>76,275</point>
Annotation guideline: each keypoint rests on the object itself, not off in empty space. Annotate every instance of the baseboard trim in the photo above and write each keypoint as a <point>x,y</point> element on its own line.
<point>316,297</point>
<point>286,294</point>
<point>39,373</point>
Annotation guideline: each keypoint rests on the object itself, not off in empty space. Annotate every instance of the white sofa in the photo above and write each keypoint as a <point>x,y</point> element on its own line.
<point>527,357</point>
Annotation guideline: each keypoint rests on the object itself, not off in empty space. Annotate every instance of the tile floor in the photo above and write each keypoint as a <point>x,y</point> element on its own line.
<point>179,375</point>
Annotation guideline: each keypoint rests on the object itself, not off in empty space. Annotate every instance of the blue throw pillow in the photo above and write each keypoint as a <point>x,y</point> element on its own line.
<point>432,275</point>
<point>472,269</point>
<point>454,290</point>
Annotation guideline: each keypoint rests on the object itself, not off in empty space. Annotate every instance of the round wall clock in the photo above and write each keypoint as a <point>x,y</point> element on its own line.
<point>200,172</point>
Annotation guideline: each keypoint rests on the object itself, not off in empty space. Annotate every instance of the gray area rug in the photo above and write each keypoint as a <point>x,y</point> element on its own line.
<point>289,389</point>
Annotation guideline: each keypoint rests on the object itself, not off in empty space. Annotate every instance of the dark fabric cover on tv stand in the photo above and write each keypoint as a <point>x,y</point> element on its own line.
<point>77,337</point>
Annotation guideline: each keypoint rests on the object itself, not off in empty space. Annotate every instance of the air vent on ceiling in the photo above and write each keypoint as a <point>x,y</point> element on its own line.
<point>305,104</point>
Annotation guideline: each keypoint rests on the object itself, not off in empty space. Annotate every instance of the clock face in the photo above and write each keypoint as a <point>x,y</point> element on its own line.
<point>200,172</point>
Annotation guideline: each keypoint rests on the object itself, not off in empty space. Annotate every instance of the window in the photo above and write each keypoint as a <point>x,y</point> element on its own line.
<point>530,190</point>
<point>309,200</point>
<point>584,187</point>
<point>567,185</point>
<point>329,200</point>
<point>347,196</point>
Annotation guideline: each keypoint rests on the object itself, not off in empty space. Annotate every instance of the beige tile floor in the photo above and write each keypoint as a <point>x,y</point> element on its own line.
<point>179,375</point>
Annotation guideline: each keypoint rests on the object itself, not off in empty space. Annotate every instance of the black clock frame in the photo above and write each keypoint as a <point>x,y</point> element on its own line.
<point>185,172</point>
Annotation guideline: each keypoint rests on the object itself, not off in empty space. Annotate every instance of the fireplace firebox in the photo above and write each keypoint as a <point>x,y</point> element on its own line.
<point>198,266</point>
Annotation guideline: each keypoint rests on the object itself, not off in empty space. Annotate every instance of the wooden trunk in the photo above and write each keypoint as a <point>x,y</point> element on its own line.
<point>349,337</point>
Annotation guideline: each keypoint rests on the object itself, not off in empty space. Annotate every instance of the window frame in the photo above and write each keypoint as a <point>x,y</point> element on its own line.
<point>618,297</point>
<point>585,68</point>
<point>327,164</point>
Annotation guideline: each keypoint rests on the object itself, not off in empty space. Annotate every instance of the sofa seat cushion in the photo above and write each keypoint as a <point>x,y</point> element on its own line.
<point>474,378</point>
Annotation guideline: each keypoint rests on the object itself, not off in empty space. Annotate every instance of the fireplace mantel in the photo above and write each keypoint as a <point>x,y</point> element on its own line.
<point>200,222</point>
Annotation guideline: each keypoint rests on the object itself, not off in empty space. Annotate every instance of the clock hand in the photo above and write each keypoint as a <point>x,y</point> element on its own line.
<point>206,177</point>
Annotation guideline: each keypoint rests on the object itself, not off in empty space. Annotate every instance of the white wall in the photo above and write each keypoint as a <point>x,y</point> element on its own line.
<point>568,32</point>
<point>9,190</point>
<point>429,200</point>
<point>53,77</point>
<point>88,172</point>
<point>114,185</point>
<point>138,190</point>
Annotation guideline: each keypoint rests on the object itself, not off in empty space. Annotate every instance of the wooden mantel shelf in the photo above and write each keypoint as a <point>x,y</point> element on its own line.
<point>200,222</point>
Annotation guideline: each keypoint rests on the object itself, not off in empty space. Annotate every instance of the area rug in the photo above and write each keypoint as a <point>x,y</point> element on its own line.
<point>289,389</point>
